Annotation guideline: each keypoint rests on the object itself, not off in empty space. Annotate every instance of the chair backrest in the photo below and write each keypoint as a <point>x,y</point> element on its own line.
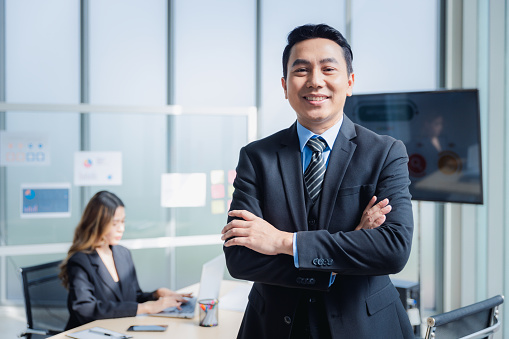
<point>479,320</point>
<point>45,299</point>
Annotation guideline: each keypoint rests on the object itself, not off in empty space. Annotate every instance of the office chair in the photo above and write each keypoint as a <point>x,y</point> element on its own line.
<point>45,300</point>
<point>479,320</point>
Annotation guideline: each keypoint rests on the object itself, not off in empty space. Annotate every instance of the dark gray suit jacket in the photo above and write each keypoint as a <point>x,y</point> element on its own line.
<point>94,295</point>
<point>362,302</point>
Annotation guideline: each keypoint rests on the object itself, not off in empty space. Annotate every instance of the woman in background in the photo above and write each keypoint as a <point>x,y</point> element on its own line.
<point>100,274</point>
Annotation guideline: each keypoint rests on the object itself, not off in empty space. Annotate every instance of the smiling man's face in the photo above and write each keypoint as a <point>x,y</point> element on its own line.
<point>317,83</point>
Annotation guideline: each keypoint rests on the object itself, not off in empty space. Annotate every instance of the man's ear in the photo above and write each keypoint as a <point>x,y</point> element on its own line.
<point>351,80</point>
<point>283,83</point>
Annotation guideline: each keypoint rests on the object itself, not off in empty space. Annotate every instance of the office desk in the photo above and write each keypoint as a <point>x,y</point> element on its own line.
<point>229,322</point>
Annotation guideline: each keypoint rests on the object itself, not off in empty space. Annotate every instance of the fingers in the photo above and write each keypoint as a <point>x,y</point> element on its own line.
<point>238,227</point>
<point>382,204</point>
<point>163,292</point>
<point>235,231</point>
<point>234,224</point>
<point>379,209</point>
<point>243,214</point>
<point>236,241</point>
<point>386,209</point>
<point>170,302</point>
<point>370,204</point>
<point>374,215</point>
<point>378,221</point>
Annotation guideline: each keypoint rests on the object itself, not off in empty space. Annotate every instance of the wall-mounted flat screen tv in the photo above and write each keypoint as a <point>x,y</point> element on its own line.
<point>441,131</point>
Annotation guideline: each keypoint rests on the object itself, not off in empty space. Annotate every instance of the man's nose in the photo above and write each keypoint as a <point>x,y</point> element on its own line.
<point>315,79</point>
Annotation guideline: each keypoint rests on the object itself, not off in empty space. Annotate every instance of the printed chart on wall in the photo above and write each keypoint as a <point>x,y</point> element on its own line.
<point>24,149</point>
<point>97,168</point>
<point>46,200</point>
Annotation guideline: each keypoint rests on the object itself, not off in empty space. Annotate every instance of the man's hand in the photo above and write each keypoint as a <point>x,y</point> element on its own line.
<point>374,216</point>
<point>256,234</point>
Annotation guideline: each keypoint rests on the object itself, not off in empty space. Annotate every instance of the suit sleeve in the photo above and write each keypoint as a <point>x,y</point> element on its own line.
<point>244,263</point>
<point>83,299</point>
<point>379,251</point>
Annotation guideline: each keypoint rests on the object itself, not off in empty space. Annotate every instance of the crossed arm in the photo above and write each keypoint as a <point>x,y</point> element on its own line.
<point>253,232</point>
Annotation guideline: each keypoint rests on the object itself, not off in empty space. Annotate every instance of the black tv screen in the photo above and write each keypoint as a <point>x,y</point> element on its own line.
<point>441,131</point>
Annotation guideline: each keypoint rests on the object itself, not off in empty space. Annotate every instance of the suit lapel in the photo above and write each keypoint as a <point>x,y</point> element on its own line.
<point>339,160</point>
<point>104,275</point>
<point>291,172</point>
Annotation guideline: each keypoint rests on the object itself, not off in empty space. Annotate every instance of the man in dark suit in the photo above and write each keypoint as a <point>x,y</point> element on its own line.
<point>320,269</point>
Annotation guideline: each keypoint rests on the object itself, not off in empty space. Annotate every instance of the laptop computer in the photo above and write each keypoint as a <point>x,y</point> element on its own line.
<point>210,283</point>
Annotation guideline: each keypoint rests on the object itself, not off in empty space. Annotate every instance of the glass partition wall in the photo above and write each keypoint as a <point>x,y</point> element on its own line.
<point>107,77</point>
<point>165,219</point>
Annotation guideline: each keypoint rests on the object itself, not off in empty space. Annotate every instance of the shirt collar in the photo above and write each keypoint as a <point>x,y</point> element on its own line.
<point>329,135</point>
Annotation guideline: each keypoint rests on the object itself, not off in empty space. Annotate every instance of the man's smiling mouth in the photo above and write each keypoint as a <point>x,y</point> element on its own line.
<point>316,98</point>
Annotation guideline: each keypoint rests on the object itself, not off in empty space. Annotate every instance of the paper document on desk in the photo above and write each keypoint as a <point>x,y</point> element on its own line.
<point>96,333</point>
<point>236,299</point>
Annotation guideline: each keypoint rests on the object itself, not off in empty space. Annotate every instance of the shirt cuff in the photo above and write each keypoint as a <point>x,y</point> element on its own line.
<point>332,279</point>
<point>295,253</point>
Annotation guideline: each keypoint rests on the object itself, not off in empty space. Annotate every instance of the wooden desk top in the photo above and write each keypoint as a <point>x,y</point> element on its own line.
<point>228,322</point>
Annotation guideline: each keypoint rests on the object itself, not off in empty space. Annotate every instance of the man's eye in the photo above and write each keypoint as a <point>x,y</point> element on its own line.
<point>329,69</point>
<point>300,70</point>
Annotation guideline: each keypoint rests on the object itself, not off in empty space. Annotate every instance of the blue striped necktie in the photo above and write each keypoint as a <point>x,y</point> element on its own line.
<point>313,176</point>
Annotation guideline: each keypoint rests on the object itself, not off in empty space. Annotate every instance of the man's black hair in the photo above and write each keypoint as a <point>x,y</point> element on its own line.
<point>309,31</point>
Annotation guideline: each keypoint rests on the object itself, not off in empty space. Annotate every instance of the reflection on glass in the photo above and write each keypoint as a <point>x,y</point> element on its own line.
<point>441,132</point>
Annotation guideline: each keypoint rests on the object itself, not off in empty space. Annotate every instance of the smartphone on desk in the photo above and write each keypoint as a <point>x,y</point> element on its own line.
<point>148,328</point>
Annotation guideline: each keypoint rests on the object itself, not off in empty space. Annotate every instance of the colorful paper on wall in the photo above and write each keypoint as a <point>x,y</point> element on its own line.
<point>231,176</point>
<point>217,191</point>
<point>231,189</point>
<point>217,206</point>
<point>217,177</point>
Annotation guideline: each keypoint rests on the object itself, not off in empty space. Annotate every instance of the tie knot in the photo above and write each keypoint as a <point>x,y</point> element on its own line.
<point>317,144</point>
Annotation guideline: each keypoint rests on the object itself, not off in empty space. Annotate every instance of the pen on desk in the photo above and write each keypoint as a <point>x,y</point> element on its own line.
<point>109,334</point>
<point>99,332</point>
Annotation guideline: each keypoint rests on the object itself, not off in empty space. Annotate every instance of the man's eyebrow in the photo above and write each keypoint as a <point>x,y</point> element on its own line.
<point>301,62</point>
<point>307,62</point>
<point>326,60</point>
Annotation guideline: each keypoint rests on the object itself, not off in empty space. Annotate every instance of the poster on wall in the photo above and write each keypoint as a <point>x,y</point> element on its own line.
<point>97,168</point>
<point>45,200</point>
<point>24,149</point>
<point>183,189</point>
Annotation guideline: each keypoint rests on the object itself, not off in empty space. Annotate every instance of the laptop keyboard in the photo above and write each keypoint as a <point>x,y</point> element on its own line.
<point>188,307</point>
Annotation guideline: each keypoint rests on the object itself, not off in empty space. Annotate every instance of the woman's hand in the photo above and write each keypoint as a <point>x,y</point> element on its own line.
<point>165,292</point>
<point>156,306</point>
<point>374,216</point>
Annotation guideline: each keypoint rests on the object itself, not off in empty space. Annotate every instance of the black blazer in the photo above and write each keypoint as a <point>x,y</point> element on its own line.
<point>94,295</point>
<point>362,302</point>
